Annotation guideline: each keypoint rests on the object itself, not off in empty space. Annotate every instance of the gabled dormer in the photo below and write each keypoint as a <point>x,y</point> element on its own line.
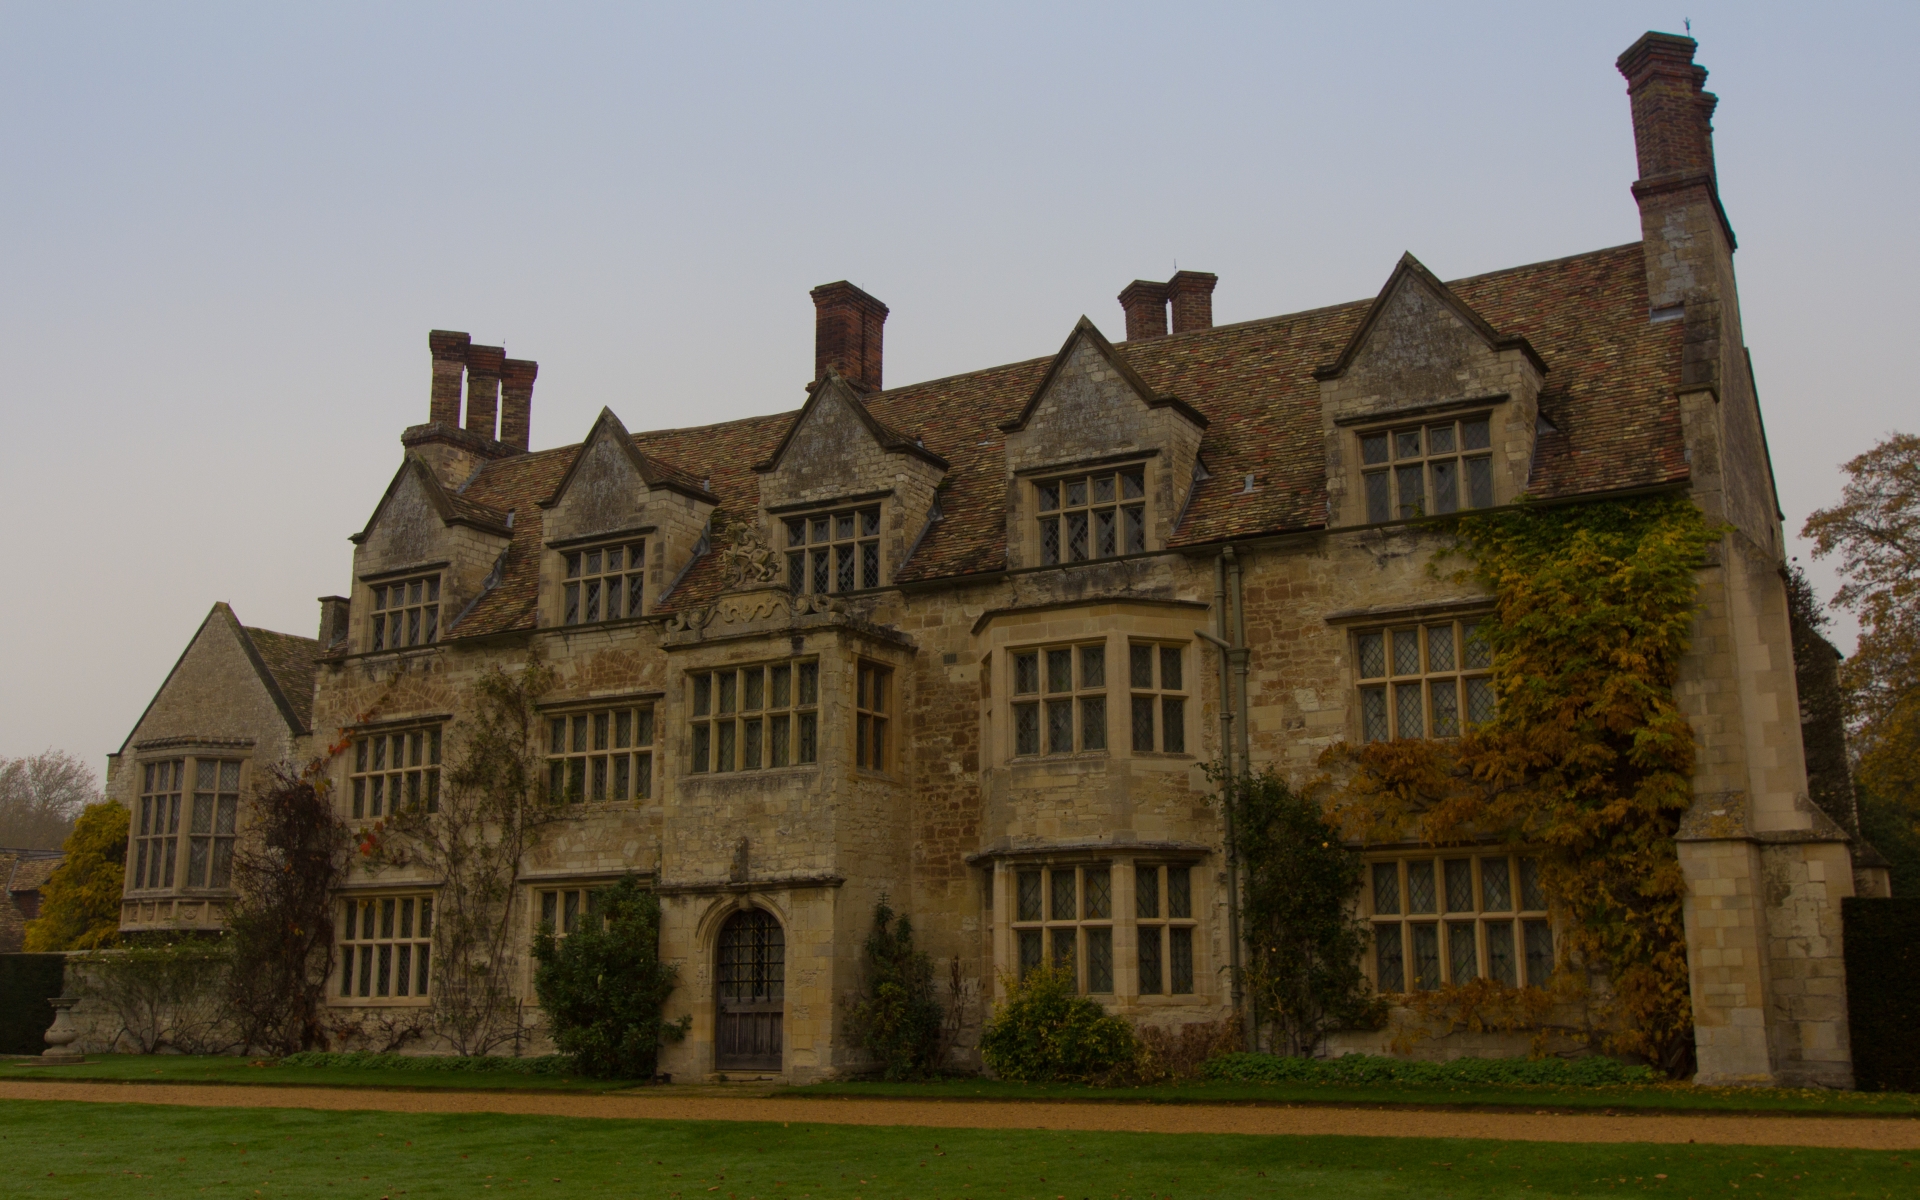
<point>1099,464</point>
<point>1429,409</point>
<point>423,557</point>
<point>619,528</point>
<point>844,496</point>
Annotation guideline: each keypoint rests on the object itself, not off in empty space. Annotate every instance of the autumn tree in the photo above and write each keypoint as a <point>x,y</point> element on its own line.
<point>80,905</point>
<point>1874,532</point>
<point>40,796</point>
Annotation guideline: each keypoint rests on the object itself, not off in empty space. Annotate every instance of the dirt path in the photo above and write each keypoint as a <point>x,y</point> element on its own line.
<point>1862,1133</point>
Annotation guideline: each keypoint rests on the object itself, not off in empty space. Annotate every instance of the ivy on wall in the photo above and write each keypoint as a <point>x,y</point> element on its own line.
<point>1589,760</point>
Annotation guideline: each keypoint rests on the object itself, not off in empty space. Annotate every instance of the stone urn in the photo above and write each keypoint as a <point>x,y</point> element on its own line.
<point>61,1034</point>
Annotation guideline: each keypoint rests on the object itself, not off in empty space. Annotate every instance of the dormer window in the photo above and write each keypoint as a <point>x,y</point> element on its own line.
<point>406,613</point>
<point>1097,515</point>
<point>1425,470</point>
<point>834,552</point>
<point>604,583</point>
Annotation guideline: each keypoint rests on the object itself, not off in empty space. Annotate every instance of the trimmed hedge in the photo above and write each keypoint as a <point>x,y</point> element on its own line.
<point>1591,1071</point>
<point>544,1064</point>
<point>26,982</point>
<point>1883,990</point>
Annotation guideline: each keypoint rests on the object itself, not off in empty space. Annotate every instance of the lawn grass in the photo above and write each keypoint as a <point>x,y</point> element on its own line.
<point>213,1068</point>
<point>1669,1097</point>
<point>60,1149</point>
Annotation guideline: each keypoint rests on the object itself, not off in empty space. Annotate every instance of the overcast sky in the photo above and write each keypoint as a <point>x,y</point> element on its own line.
<point>226,230</point>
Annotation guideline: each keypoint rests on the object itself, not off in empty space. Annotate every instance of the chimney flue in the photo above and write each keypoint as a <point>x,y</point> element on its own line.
<point>516,401</point>
<point>1191,294</point>
<point>449,364</point>
<point>483,388</point>
<point>1145,304</point>
<point>847,330</point>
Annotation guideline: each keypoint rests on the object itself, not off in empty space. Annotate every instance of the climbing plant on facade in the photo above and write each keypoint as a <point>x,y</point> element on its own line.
<point>471,839</point>
<point>1589,759</point>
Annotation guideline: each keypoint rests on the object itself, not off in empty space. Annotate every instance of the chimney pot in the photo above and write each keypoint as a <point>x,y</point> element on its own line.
<point>847,329</point>
<point>1191,293</point>
<point>483,388</point>
<point>1145,304</point>
<point>449,351</point>
<point>516,401</point>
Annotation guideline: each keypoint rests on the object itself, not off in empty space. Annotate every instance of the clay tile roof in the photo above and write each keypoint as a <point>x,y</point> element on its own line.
<point>292,661</point>
<point>467,508</point>
<point>1608,399</point>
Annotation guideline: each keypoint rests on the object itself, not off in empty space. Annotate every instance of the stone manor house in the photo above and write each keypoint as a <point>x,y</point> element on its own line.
<point>969,644</point>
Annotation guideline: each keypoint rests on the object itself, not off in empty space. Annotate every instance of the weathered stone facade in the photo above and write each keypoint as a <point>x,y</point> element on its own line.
<point>958,643</point>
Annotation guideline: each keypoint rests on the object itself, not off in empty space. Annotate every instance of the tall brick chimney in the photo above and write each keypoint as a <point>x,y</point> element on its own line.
<point>1672,114</point>
<point>483,388</point>
<point>516,401</point>
<point>1684,231</point>
<point>1145,304</point>
<point>1191,295</point>
<point>847,333</point>
<point>449,365</point>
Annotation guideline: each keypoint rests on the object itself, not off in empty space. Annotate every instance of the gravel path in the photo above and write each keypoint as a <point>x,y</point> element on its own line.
<point>1861,1133</point>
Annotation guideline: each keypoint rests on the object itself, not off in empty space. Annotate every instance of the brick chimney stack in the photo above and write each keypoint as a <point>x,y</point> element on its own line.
<point>847,330</point>
<point>516,401</point>
<point>1684,231</point>
<point>484,364</point>
<point>1191,295</point>
<point>1145,304</point>
<point>1672,114</point>
<point>449,365</point>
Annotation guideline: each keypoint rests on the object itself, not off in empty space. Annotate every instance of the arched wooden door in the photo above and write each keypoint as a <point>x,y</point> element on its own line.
<point>750,1004</point>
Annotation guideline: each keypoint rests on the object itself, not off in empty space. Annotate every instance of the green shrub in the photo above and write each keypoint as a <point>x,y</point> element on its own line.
<point>1305,947</point>
<point>603,986</point>
<point>545,1064</point>
<point>1043,1032</point>
<point>1591,1071</point>
<point>898,1019</point>
<point>80,904</point>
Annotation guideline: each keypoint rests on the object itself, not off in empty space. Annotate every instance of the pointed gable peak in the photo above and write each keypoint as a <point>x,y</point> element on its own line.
<point>1085,332</point>
<point>652,471</point>
<point>834,388</point>
<point>454,509</point>
<point>1411,272</point>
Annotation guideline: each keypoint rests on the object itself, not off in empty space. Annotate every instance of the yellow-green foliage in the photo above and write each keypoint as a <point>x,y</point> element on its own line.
<point>80,906</point>
<point>1589,759</point>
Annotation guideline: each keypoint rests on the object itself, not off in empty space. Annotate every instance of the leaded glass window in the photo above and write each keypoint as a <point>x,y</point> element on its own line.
<point>1426,470</point>
<point>1442,919</point>
<point>605,583</point>
<point>1097,515</point>
<point>1426,680</point>
<point>834,552</point>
